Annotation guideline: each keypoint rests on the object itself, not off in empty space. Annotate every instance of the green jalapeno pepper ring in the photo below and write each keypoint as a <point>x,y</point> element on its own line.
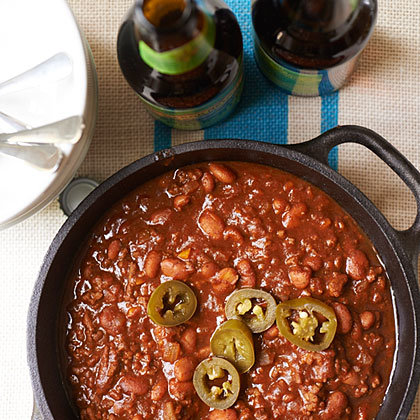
<point>305,328</point>
<point>233,341</point>
<point>216,368</point>
<point>239,305</point>
<point>171,303</point>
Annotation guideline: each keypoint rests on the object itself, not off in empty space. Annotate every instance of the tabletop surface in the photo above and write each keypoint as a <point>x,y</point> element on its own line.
<point>383,94</point>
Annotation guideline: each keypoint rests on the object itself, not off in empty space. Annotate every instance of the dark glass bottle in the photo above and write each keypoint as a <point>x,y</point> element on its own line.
<point>310,47</point>
<point>184,59</point>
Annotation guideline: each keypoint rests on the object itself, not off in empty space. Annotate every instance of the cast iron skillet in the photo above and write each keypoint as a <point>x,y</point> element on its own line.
<point>397,249</point>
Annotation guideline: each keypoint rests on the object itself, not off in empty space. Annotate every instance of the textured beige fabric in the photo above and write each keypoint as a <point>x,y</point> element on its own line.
<point>384,95</point>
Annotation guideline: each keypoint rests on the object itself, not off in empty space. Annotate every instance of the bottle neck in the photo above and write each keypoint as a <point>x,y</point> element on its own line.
<point>167,24</point>
<point>317,15</point>
<point>175,36</point>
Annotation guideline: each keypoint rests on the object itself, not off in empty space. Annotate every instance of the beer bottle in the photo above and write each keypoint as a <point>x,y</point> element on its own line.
<point>310,47</point>
<point>184,59</point>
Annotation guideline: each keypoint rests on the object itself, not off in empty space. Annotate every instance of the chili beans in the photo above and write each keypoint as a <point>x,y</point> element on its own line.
<point>114,249</point>
<point>175,268</point>
<point>220,227</point>
<point>344,318</point>
<point>211,224</point>
<point>367,319</point>
<point>208,182</point>
<point>152,263</point>
<point>222,173</point>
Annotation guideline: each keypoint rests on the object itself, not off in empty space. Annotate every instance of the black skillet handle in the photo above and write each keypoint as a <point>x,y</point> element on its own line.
<point>320,147</point>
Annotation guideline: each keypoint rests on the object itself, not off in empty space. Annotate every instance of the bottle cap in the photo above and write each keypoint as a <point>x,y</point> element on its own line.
<point>75,193</point>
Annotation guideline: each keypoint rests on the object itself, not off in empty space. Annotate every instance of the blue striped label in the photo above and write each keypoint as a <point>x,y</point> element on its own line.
<point>204,115</point>
<point>301,82</point>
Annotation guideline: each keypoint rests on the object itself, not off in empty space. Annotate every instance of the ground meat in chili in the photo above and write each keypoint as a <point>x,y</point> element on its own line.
<point>219,227</point>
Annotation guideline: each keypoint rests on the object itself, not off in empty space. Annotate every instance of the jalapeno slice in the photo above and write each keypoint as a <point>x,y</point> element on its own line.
<point>304,329</point>
<point>233,341</point>
<point>217,382</point>
<point>256,308</point>
<point>171,303</point>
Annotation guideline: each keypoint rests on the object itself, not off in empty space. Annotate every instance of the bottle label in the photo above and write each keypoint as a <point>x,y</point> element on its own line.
<point>302,82</point>
<point>205,115</point>
<point>184,58</point>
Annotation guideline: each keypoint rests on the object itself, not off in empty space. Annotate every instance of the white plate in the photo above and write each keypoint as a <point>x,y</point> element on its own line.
<point>31,32</point>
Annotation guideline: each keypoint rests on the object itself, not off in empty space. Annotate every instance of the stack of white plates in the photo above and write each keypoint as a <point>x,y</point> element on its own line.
<point>30,33</point>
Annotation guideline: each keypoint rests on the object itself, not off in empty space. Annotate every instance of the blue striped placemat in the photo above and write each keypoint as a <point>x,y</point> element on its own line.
<point>263,113</point>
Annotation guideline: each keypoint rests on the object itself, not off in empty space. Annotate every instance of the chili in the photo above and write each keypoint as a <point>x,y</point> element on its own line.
<point>228,235</point>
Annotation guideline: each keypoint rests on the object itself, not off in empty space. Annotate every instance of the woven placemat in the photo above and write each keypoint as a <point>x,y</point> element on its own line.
<point>383,95</point>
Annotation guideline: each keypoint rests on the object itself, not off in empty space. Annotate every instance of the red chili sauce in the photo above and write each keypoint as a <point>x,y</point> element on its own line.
<point>220,227</point>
